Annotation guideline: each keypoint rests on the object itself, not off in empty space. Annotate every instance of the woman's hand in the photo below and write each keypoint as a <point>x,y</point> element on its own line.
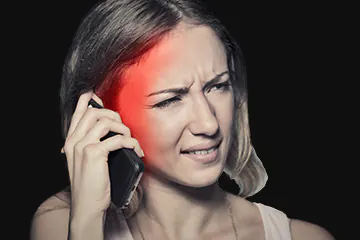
<point>87,156</point>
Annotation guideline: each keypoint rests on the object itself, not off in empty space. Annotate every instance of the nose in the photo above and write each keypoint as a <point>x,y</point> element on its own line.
<point>203,119</point>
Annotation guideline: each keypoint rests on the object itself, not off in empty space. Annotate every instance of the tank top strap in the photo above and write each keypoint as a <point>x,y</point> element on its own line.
<point>276,223</point>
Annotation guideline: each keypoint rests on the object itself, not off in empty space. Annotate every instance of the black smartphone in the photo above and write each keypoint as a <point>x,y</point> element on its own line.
<point>125,171</point>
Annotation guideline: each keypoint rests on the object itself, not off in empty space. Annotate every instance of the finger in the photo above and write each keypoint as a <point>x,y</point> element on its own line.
<point>97,148</point>
<point>97,99</point>
<point>79,110</point>
<point>104,125</point>
<point>90,118</point>
<point>101,128</point>
<point>88,121</point>
<point>119,141</point>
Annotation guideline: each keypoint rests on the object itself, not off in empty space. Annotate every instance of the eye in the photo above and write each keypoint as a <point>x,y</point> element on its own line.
<point>167,102</point>
<point>225,86</point>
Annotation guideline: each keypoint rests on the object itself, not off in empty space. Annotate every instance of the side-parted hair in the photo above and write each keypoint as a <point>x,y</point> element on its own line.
<point>115,34</point>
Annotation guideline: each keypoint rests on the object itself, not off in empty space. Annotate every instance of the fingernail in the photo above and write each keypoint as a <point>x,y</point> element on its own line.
<point>143,155</point>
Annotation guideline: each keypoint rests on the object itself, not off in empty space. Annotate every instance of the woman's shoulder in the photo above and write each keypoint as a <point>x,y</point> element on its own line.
<point>301,230</point>
<point>248,218</point>
<point>297,229</point>
<point>60,200</point>
<point>273,219</point>
<point>244,209</point>
<point>50,221</point>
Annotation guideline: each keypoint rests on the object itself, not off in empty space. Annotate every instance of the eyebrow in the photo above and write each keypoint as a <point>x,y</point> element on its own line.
<point>184,90</point>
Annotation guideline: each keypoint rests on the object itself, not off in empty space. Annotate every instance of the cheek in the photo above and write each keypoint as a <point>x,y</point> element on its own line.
<point>225,113</point>
<point>130,105</point>
<point>162,137</point>
<point>129,101</point>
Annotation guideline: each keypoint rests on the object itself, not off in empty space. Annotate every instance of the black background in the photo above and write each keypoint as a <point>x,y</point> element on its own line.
<point>292,55</point>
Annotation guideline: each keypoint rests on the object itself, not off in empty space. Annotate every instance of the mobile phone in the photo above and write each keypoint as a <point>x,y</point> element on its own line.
<point>125,171</point>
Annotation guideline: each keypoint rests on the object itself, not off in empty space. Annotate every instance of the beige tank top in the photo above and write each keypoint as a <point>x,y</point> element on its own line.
<point>276,223</point>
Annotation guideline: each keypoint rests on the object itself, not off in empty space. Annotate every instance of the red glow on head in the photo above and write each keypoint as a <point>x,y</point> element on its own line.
<point>129,94</point>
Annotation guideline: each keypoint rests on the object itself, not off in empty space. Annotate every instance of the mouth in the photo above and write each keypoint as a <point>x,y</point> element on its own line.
<point>202,148</point>
<point>202,151</point>
<point>205,156</point>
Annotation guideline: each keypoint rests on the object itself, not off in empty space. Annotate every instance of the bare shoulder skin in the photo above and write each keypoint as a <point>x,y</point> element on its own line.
<point>51,220</point>
<point>301,230</point>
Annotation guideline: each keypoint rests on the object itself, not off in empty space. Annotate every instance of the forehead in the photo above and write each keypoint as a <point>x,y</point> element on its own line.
<point>183,53</point>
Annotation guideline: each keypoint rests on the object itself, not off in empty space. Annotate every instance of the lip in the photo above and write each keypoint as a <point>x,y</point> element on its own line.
<point>204,158</point>
<point>201,146</point>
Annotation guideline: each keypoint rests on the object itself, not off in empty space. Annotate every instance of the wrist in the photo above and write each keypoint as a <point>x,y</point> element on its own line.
<point>87,225</point>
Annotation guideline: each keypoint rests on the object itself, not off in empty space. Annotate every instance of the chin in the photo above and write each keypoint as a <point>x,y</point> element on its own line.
<point>200,178</point>
<point>203,183</point>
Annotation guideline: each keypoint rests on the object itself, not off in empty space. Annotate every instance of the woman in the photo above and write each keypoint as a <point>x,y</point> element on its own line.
<point>173,84</point>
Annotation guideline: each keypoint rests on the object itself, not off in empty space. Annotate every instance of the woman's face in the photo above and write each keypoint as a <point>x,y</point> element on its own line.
<point>177,98</point>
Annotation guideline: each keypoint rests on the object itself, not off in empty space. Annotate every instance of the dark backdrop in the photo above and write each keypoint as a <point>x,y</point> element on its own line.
<point>290,50</point>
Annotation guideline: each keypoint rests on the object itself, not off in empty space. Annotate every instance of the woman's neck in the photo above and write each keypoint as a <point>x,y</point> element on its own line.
<point>179,209</point>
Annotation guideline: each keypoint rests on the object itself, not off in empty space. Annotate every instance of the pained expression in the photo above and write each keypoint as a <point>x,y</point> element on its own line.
<point>167,123</point>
